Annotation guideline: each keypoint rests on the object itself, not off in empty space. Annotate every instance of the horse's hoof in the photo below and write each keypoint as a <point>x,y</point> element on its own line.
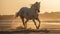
<point>37,27</point>
<point>25,28</point>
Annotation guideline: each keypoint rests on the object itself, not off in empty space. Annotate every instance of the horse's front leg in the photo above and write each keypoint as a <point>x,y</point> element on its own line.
<point>35,23</point>
<point>39,23</point>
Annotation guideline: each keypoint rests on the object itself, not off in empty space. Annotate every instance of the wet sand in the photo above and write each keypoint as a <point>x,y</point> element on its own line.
<point>31,32</point>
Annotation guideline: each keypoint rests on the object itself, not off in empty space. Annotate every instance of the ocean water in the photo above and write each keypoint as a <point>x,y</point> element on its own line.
<point>11,25</point>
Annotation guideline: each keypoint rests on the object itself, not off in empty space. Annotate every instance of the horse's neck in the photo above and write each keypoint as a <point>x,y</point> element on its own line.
<point>34,11</point>
<point>33,8</point>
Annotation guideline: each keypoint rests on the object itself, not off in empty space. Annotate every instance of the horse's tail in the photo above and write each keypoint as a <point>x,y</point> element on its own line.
<point>17,14</point>
<point>20,13</point>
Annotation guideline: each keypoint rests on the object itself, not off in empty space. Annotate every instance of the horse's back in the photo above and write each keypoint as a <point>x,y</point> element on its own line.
<point>24,9</point>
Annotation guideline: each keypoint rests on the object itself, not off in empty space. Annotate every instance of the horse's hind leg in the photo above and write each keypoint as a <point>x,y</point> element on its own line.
<point>39,23</point>
<point>22,18</point>
<point>26,23</point>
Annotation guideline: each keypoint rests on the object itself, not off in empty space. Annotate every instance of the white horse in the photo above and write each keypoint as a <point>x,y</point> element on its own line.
<point>30,14</point>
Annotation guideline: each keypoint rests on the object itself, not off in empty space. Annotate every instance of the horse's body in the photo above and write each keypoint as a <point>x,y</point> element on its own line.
<point>29,14</point>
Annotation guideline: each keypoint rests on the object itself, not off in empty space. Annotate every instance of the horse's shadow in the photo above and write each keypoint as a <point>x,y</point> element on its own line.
<point>30,14</point>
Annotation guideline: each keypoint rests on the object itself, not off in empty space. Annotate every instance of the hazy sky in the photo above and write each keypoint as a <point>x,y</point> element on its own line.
<point>9,7</point>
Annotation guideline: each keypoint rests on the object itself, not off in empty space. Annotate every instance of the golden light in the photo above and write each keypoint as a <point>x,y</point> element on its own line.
<point>9,7</point>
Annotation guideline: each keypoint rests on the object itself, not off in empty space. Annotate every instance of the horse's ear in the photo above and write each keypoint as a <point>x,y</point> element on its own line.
<point>39,2</point>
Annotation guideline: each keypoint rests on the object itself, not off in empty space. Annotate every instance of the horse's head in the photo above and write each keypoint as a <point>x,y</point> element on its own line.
<point>36,6</point>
